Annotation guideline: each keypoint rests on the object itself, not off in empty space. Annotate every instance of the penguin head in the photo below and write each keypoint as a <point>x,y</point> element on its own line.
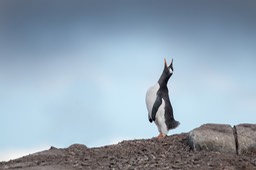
<point>168,69</point>
<point>167,73</point>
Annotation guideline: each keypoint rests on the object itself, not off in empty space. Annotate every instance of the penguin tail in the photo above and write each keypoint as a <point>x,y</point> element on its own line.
<point>173,124</point>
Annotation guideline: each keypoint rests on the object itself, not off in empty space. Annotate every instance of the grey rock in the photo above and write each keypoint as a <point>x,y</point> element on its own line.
<point>246,138</point>
<point>213,137</point>
<point>78,146</point>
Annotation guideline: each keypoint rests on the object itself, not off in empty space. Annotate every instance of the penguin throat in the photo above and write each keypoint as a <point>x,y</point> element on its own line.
<point>163,79</point>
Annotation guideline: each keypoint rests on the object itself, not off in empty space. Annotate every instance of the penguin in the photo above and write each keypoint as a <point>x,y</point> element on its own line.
<point>158,103</point>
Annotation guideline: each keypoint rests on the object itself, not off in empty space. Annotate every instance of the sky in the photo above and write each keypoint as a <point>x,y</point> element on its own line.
<point>78,71</point>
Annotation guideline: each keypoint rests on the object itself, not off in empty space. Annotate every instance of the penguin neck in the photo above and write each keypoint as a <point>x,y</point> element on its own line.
<point>163,80</point>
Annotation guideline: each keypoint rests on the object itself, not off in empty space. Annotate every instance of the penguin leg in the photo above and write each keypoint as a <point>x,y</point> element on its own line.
<point>160,136</point>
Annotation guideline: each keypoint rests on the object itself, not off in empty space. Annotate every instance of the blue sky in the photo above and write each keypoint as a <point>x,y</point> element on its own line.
<point>77,71</point>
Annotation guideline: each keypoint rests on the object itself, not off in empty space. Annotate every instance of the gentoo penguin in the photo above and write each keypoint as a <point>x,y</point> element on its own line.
<point>158,103</point>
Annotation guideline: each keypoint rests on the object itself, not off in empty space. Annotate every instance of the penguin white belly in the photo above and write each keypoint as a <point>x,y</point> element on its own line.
<point>160,119</point>
<point>151,97</point>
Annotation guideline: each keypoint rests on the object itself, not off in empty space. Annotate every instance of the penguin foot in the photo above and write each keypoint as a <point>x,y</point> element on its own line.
<point>161,136</point>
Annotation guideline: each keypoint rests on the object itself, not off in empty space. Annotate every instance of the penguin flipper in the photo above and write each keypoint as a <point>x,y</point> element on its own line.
<point>150,120</point>
<point>156,105</point>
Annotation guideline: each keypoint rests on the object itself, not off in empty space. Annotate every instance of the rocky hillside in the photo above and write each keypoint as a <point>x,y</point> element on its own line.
<point>173,152</point>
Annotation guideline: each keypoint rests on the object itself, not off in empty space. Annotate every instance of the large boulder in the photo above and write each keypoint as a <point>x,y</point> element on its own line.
<point>213,137</point>
<point>246,138</point>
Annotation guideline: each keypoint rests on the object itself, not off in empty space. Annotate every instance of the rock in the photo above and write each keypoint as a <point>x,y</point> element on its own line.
<point>213,137</point>
<point>52,148</point>
<point>246,138</point>
<point>77,146</point>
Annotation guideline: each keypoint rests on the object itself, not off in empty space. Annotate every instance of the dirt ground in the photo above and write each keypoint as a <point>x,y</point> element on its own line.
<point>173,152</point>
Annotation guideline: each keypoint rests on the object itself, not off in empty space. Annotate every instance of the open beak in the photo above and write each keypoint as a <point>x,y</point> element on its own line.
<point>170,66</point>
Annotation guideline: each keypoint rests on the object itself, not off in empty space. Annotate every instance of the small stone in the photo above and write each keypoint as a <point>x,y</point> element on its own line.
<point>52,148</point>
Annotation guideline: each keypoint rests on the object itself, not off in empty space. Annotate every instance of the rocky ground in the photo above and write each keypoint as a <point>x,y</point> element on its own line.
<point>173,152</point>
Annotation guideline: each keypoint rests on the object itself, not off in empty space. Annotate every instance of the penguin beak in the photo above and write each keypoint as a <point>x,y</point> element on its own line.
<point>165,62</point>
<point>170,66</point>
